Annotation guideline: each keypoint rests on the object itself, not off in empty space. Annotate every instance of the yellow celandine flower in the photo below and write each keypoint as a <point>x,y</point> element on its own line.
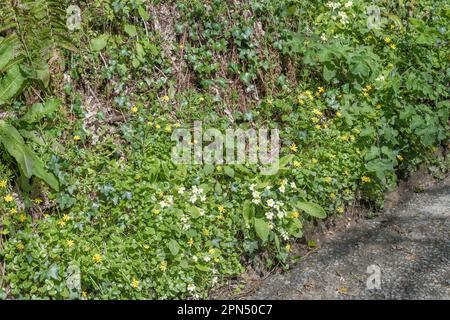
<point>37,200</point>
<point>301,101</point>
<point>295,214</point>
<point>297,164</point>
<point>8,198</point>
<point>216,260</point>
<point>269,102</point>
<point>340,210</point>
<point>365,94</point>
<point>22,218</point>
<point>328,179</point>
<point>20,246</point>
<point>163,266</point>
<point>212,251</point>
<point>317,112</point>
<point>378,106</point>
<point>70,243</point>
<point>3,184</point>
<point>190,242</point>
<point>157,126</point>
<point>400,157</point>
<point>393,46</point>
<point>288,247</point>
<point>314,120</point>
<point>168,128</point>
<point>365,179</point>
<point>205,232</point>
<point>97,258</point>
<point>76,138</point>
<point>201,99</point>
<point>325,126</point>
<point>321,90</point>
<point>338,114</point>
<point>314,160</point>
<point>387,40</point>
<point>221,209</point>
<point>84,294</point>
<point>317,126</point>
<point>146,246</point>
<point>156,211</point>
<point>177,125</point>
<point>165,98</point>
<point>13,210</point>
<point>332,195</point>
<point>134,109</point>
<point>61,223</point>
<point>66,217</point>
<point>135,283</point>
<point>293,147</point>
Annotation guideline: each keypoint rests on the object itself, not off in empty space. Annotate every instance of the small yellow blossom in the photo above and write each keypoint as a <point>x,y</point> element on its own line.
<point>177,125</point>
<point>338,114</point>
<point>8,198</point>
<point>156,211</point>
<point>66,217</point>
<point>168,128</point>
<point>70,243</point>
<point>97,258</point>
<point>22,218</point>
<point>201,99</point>
<point>157,126</point>
<point>37,200</point>
<point>393,46</point>
<point>365,179</point>
<point>295,214</point>
<point>301,101</point>
<point>293,147</point>
<point>328,179</point>
<point>317,112</point>
<point>20,246</point>
<point>13,210</point>
<point>387,40</point>
<point>314,160</point>
<point>84,294</point>
<point>216,260</point>
<point>3,184</point>
<point>378,106</point>
<point>163,266</point>
<point>134,109</point>
<point>288,247</point>
<point>221,209</point>
<point>212,251</point>
<point>165,98</point>
<point>269,102</point>
<point>400,157</point>
<point>135,283</point>
<point>321,90</point>
<point>76,138</point>
<point>181,46</point>
<point>190,242</point>
<point>314,120</point>
<point>61,223</point>
<point>297,164</point>
<point>317,126</point>
<point>332,195</point>
<point>205,232</point>
<point>340,210</point>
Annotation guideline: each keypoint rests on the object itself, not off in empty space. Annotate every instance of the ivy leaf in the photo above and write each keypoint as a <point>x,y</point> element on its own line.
<point>99,43</point>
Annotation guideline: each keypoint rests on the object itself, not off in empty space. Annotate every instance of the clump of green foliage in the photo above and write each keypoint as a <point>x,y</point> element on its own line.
<point>357,108</point>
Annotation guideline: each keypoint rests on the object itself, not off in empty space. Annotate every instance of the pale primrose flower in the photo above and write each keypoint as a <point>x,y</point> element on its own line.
<point>256,194</point>
<point>270,203</point>
<point>269,215</point>
<point>348,4</point>
<point>206,258</point>
<point>293,185</point>
<point>164,204</point>
<point>193,199</point>
<point>282,189</point>
<point>191,287</point>
<point>181,190</point>
<point>252,187</point>
<point>194,258</point>
<point>256,200</point>
<point>271,225</point>
<point>202,198</point>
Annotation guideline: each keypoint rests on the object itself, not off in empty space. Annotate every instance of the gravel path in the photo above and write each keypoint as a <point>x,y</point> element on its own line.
<point>409,245</point>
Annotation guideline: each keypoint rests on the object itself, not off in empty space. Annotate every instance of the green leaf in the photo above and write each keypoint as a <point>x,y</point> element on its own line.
<point>262,229</point>
<point>195,212</point>
<point>6,53</point>
<point>229,171</point>
<point>130,30</point>
<point>99,43</point>
<point>174,247</point>
<point>11,84</point>
<point>38,111</point>
<point>312,209</point>
<point>29,163</point>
